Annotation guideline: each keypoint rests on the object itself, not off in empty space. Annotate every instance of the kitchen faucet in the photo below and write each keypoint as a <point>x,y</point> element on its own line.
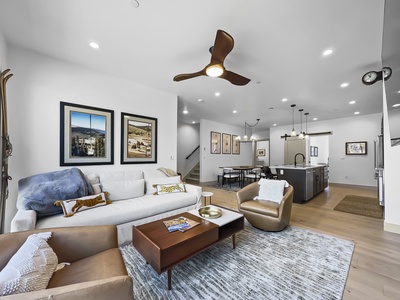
<point>304,158</point>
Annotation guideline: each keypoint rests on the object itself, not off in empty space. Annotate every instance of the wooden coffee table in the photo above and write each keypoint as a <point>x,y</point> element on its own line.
<point>163,249</point>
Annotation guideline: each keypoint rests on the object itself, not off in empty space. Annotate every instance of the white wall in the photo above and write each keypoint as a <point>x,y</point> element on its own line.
<point>35,92</point>
<point>322,142</point>
<point>263,145</point>
<point>391,177</point>
<point>210,163</point>
<point>357,170</point>
<point>3,53</point>
<point>188,140</point>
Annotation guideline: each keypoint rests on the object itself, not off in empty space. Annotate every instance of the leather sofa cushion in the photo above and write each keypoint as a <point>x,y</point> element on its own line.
<point>94,267</point>
<point>261,207</point>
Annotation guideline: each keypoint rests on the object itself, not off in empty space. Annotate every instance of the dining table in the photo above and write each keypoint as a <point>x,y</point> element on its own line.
<point>242,170</point>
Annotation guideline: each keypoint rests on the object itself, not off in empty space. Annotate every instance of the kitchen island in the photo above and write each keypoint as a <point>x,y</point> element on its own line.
<point>307,180</point>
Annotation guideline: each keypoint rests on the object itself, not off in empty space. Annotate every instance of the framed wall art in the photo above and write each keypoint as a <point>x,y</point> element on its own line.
<point>138,139</point>
<point>235,144</point>
<point>86,135</point>
<point>215,142</point>
<point>356,148</point>
<point>226,143</point>
<point>260,152</point>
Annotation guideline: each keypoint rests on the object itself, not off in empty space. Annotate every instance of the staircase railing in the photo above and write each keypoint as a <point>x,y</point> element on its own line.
<point>187,157</point>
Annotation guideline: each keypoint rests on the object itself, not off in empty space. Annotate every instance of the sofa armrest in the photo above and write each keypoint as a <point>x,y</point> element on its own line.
<point>247,193</point>
<point>194,189</point>
<point>23,220</point>
<point>119,287</point>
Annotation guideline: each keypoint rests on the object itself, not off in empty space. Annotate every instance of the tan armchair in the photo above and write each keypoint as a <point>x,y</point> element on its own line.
<point>265,215</point>
<point>96,270</point>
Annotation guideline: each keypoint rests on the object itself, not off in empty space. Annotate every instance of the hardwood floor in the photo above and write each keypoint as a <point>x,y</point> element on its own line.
<point>375,266</point>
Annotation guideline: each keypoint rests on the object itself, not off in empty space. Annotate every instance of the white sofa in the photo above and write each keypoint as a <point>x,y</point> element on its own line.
<point>133,203</point>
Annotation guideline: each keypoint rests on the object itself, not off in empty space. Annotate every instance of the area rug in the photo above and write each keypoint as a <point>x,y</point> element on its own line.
<point>293,264</point>
<point>233,188</point>
<point>359,205</point>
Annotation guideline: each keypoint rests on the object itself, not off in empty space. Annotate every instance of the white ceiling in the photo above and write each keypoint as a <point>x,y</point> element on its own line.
<point>278,45</point>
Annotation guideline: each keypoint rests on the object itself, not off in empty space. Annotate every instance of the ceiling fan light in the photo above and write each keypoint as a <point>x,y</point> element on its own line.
<point>214,71</point>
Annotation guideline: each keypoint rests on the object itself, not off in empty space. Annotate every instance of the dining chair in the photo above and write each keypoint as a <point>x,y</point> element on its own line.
<point>229,175</point>
<point>253,175</point>
<point>267,173</point>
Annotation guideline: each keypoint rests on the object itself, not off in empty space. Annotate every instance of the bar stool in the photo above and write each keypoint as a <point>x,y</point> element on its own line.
<point>205,195</point>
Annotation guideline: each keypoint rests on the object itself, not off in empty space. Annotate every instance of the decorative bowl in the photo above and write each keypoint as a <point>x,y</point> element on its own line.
<point>210,212</point>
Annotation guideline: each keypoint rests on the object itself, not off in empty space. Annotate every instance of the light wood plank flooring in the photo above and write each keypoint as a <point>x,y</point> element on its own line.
<point>375,267</point>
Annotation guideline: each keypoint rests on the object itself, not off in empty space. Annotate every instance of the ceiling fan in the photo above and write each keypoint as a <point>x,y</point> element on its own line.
<point>223,45</point>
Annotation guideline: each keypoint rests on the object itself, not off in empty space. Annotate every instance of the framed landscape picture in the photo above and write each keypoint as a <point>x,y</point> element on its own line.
<point>226,143</point>
<point>215,142</point>
<point>356,148</point>
<point>235,144</point>
<point>138,139</point>
<point>86,135</point>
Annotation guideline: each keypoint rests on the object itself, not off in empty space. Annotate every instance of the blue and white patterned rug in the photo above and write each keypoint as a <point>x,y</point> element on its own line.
<point>293,264</point>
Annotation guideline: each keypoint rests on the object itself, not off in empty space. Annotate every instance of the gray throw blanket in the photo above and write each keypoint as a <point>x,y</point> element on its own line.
<point>39,192</point>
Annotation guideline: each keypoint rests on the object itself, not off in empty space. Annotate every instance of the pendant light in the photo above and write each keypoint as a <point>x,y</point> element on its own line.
<point>301,134</point>
<point>293,131</point>
<point>245,138</point>
<point>306,136</point>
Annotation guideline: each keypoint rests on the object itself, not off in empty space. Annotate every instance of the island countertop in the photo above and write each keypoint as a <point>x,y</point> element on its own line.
<point>298,167</point>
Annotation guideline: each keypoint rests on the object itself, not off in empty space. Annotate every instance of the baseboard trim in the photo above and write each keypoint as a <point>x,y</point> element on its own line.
<point>355,186</point>
<point>390,227</point>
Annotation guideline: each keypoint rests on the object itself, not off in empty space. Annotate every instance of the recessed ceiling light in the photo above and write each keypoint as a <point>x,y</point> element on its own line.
<point>352,102</point>
<point>235,111</point>
<point>357,113</point>
<point>94,45</point>
<point>315,119</point>
<point>274,124</point>
<point>193,122</point>
<point>284,99</point>
<point>344,84</point>
<point>398,92</point>
<point>200,100</point>
<point>327,52</point>
<point>396,105</point>
<point>185,111</point>
<point>217,94</point>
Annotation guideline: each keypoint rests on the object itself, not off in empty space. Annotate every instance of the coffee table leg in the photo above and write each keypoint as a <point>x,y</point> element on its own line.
<point>169,278</point>
<point>234,241</point>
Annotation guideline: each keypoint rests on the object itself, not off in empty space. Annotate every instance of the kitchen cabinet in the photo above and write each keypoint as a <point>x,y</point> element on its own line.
<point>307,181</point>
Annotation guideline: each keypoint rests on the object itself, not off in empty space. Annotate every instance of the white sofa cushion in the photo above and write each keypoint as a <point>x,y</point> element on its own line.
<point>120,175</point>
<point>123,211</point>
<point>125,189</point>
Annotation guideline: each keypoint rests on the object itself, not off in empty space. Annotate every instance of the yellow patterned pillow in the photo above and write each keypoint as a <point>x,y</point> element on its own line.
<point>169,188</point>
<point>72,206</point>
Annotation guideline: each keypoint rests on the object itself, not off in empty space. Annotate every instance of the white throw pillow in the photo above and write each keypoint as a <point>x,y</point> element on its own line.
<point>152,182</point>
<point>31,267</point>
<point>121,190</point>
<point>170,188</point>
<point>271,190</point>
<point>72,206</point>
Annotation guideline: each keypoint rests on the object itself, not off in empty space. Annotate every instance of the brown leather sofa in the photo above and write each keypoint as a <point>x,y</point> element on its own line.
<point>96,270</point>
<point>265,215</point>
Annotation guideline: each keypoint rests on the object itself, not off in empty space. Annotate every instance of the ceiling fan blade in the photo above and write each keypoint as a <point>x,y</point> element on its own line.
<point>188,76</point>
<point>222,46</point>
<point>234,78</point>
